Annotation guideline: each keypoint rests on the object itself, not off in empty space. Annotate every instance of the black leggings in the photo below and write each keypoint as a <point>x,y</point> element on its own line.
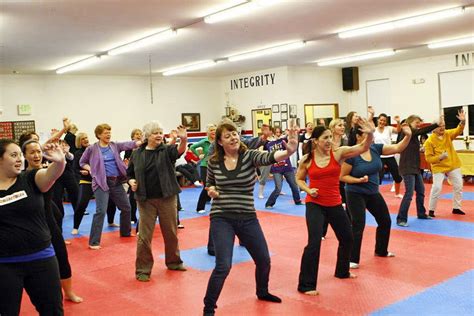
<point>203,197</point>
<point>69,182</point>
<point>40,279</point>
<point>85,194</point>
<point>57,240</point>
<point>340,223</point>
<point>392,167</point>
<point>375,204</point>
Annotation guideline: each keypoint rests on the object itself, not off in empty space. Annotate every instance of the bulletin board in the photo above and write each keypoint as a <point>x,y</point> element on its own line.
<point>14,129</point>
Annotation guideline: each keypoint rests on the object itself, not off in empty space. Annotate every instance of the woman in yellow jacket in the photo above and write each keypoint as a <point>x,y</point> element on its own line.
<point>440,153</point>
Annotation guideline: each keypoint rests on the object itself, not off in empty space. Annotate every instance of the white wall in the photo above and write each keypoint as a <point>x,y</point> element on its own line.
<point>293,85</point>
<point>406,97</point>
<point>121,101</point>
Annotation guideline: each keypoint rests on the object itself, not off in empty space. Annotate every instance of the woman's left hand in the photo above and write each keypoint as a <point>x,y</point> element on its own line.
<point>53,152</point>
<point>365,126</point>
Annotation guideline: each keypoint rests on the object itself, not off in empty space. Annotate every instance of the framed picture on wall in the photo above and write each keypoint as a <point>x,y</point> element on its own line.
<point>293,110</point>
<point>284,107</point>
<point>284,125</point>
<point>276,123</point>
<point>192,121</point>
<point>284,116</point>
<point>275,108</point>
<point>259,123</point>
<point>266,112</point>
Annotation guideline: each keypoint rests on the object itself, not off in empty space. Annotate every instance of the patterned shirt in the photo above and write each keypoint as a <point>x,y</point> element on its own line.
<point>236,186</point>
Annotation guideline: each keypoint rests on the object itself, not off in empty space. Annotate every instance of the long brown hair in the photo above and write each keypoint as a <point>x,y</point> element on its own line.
<point>218,155</point>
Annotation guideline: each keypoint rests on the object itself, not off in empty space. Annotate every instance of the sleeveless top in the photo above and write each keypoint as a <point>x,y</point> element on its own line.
<point>326,180</point>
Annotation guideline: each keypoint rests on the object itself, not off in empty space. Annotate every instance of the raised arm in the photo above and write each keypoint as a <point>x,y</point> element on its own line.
<point>45,178</point>
<point>183,139</point>
<point>345,152</point>
<point>398,148</point>
<point>291,145</point>
<point>462,122</point>
<point>58,133</point>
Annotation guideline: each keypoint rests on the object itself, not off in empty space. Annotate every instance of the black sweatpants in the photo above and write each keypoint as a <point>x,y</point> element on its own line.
<point>340,223</point>
<point>40,279</point>
<point>375,204</point>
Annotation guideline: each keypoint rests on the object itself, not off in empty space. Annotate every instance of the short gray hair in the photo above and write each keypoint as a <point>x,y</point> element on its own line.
<point>150,127</point>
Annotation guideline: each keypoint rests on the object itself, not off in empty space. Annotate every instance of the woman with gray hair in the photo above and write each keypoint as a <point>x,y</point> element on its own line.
<point>152,178</point>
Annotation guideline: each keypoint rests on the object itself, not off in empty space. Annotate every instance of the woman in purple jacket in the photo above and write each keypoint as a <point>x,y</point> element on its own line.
<point>108,172</point>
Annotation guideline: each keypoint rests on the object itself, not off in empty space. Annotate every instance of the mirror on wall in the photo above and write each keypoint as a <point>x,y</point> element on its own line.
<point>320,114</point>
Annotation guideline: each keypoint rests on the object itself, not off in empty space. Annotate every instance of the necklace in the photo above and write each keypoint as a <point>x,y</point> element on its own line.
<point>231,159</point>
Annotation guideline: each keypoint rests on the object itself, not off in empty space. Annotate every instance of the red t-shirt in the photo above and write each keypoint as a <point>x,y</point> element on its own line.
<point>191,157</point>
<point>326,180</point>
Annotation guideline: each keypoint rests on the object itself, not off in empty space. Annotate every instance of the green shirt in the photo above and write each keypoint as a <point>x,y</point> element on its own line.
<point>204,144</point>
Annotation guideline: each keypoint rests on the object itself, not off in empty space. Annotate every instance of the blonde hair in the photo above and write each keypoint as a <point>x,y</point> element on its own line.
<point>79,137</point>
<point>335,122</point>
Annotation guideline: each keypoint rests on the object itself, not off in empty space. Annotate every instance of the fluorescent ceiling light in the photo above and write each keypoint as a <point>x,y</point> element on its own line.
<point>188,68</point>
<point>149,40</point>
<point>368,30</point>
<point>390,25</point>
<point>80,64</point>
<point>348,59</point>
<point>425,18</point>
<point>238,10</point>
<point>455,42</point>
<point>268,51</point>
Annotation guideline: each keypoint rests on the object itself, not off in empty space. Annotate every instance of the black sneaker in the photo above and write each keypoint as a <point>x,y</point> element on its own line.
<point>424,216</point>
<point>431,214</point>
<point>458,211</point>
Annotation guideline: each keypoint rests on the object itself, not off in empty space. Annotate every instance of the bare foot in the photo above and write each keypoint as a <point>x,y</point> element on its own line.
<point>95,247</point>
<point>311,293</point>
<point>73,297</point>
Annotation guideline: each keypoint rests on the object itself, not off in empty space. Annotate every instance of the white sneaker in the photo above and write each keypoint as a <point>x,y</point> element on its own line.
<point>260,196</point>
<point>75,232</point>
<point>400,196</point>
<point>393,188</point>
<point>201,211</point>
<point>353,265</point>
<point>197,184</point>
<point>282,193</point>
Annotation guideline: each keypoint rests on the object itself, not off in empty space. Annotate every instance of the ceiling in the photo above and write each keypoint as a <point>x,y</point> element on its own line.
<point>39,36</point>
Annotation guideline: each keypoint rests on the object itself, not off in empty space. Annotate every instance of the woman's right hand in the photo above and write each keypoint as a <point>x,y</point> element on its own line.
<point>133,184</point>
<point>364,179</point>
<point>212,192</point>
<point>313,192</point>
<point>84,172</point>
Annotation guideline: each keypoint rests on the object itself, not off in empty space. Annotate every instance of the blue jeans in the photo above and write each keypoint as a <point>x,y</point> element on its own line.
<point>223,232</point>
<point>413,182</point>
<point>278,179</point>
<point>119,197</point>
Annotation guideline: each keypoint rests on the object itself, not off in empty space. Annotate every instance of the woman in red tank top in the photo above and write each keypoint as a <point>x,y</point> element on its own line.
<point>322,166</point>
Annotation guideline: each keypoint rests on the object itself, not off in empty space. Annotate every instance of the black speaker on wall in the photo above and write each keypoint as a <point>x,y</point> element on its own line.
<point>350,78</point>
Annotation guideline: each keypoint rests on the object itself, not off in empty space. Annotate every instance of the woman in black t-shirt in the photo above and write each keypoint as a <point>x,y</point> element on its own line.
<point>34,155</point>
<point>27,258</point>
